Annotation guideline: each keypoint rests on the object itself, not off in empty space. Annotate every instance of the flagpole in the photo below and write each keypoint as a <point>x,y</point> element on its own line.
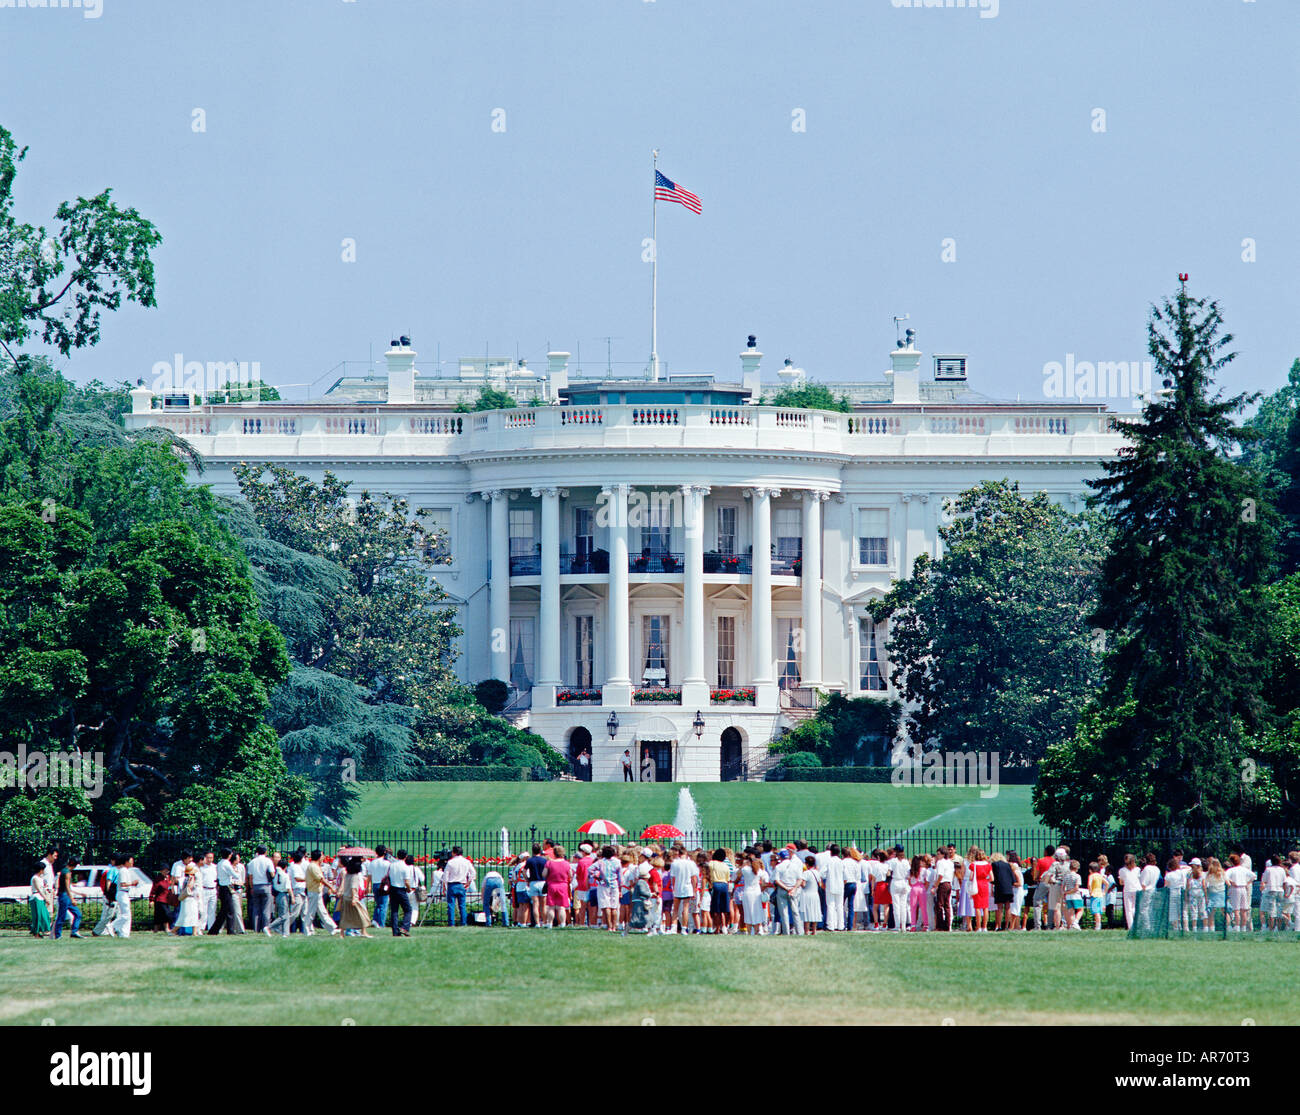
<point>654,270</point>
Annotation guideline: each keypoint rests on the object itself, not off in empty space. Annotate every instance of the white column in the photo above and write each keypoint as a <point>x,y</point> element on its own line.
<point>499,587</point>
<point>618,682</point>
<point>695,687</point>
<point>765,693</point>
<point>811,659</point>
<point>548,635</point>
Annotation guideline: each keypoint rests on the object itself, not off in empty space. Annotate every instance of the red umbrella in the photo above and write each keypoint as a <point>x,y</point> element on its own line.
<point>601,827</point>
<point>364,853</point>
<point>662,832</point>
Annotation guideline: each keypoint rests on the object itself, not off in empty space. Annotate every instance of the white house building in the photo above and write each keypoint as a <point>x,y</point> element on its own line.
<point>668,567</point>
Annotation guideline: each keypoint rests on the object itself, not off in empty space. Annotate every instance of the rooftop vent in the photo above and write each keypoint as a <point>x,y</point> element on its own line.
<point>950,368</point>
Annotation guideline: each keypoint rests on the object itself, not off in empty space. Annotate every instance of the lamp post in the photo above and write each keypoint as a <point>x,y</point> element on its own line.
<point>612,724</point>
<point>699,724</point>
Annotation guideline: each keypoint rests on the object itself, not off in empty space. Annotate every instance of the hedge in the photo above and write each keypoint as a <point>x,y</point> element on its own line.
<point>487,773</point>
<point>1007,776</point>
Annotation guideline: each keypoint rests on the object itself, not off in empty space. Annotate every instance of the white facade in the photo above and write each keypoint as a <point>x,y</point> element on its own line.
<point>603,546</point>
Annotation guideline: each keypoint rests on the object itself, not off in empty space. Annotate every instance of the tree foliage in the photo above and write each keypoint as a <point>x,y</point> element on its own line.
<point>991,645</point>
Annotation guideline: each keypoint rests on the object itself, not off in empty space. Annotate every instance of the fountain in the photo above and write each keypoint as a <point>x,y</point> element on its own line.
<point>688,818</point>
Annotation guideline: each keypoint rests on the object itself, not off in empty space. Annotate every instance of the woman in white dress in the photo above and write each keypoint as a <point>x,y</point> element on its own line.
<point>752,880</point>
<point>810,900</point>
<point>187,913</point>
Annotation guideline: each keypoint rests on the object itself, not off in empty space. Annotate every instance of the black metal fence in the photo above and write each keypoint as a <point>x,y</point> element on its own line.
<point>156,852</point>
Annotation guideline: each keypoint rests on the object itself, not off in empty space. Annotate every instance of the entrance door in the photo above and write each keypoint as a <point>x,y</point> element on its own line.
<point>733,769</point>
<point>661,751</point>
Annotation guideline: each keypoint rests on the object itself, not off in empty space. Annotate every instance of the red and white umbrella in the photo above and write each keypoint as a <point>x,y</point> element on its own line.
<point>662,832</point>
<point>602,827</point>
<point>348,852</point>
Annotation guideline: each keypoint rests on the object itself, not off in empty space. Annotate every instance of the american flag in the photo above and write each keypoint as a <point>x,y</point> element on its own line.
<point>667,190</point>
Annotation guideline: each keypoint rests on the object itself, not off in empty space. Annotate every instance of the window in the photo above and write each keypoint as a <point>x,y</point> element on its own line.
<point>584,650</point>
<point>656,532</point>
<point>654,649</point>
<point>726,530</point>
<point>523,537</point>
<point>870,675</point>
<point>873,537</point>
<point>787,531</point>
<point>521,652</point>
<point>790,644</point>
<point>726,652</point>
<point>583,536</point>
<point>437,534</point>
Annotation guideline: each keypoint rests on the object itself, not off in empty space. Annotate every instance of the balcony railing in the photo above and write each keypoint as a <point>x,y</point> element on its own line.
<point>525,565</point>
<point>787,566</point>
<point>663,562</point>
<point>578,695</point>
<point>657,694</point>
<point>727,563</point>
<point>894,430</point>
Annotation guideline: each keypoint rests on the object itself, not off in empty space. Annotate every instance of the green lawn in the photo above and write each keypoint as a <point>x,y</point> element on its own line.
<point>468,977</point>
<point>782,806</point>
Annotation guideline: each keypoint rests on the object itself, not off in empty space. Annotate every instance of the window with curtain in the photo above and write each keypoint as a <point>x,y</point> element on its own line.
<point>654,649</point>
<point>788,648</point>
<point>873,536</point>
<point>584,650</point>
<point>787,532</point>
<point>437,533</point>
<point>726,530</point>
<point>523,536</point>
<point>871,675</point>
<point>726,652</point>
<point>656,531</point>
<point>522,632</point>
<point>583,536</point>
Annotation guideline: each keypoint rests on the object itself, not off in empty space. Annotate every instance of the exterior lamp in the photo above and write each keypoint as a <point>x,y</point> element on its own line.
<point>699,724</point>
<point>612,724</point>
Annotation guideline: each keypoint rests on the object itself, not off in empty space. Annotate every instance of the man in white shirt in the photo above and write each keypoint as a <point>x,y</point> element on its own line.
<point>787,876</point>
<point>293,880</point>
<point>821,860</point>
<point>683,874</point>
<point>261,875</point>
<point>942,890</point>
<point>178,869</point>
<point>1272,884</point>
<point>833,874</point>
<point>377,871</point>
<point>899,867</point>
<point>207,875</point>
<point>126,879</point>
<point>399,895</point>
<point>227,910</point>
<point>458,879</point>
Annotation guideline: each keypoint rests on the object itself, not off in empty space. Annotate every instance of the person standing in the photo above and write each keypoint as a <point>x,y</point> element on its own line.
<point>683,873</point>
<point>1130,882</point>
<point>38,904</point>
<point>377,873</point>
<point>584,765</point>
<point>852,878</point>
<point>189,905</point>
<point>582,910</point>
<point>294,895</point>
<point>227,911</point>
<point>205,871</point>
<point>627,766</point>
<point>834,889</point>
<point>981,872</point>
<point>943,876</point>
<point>1240,881</point>
<point>399,895</point>
<point>536,867</point>
<point>788,879</point>
<point>559,878</point>
<point>810,896</point>
<point>458,879</point>
<point>918,895</point>
<point>127,877</point>
<point>65,892</point>
<point>899,887</point>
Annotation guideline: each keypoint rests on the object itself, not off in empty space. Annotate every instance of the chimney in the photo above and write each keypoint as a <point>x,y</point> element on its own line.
<point>141,399</point>
<point>401,371</point>
<point>905,365</point>
<point>750,376</point>
<point>557,373</point>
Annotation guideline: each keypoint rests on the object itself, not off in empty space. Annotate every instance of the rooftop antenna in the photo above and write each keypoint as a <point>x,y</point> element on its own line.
<point>609,355</point>
<point>898,320</point>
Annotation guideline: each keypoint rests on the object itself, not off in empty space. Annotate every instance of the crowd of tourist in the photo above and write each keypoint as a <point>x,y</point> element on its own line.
<point>796,889</point>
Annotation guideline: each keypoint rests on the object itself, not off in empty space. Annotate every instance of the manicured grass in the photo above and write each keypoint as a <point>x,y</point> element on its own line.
<point>467,977</point>
<point>782,806</point>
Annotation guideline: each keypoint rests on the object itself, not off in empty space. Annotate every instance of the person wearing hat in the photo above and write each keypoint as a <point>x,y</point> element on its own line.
<point>788,877</point>
<point>187,913</point>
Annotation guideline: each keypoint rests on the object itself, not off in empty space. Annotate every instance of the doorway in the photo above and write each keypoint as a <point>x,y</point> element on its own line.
<point>733,764</point>
<point>661,752</point>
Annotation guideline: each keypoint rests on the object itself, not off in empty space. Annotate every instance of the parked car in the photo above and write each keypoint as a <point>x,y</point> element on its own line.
<point>85,885</point>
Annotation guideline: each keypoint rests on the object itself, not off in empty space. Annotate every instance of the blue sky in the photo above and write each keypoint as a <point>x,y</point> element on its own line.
<point>373,121</point>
